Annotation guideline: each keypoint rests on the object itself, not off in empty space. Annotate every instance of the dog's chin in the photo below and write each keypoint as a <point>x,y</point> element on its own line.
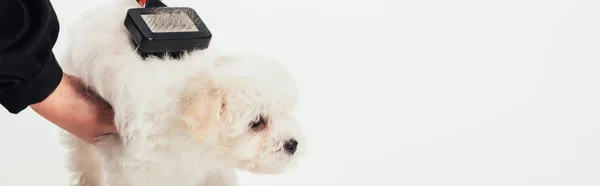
<point>275,165</point>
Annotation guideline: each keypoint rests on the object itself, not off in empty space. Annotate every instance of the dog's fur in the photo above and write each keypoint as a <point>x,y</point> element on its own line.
<point>183,122</point>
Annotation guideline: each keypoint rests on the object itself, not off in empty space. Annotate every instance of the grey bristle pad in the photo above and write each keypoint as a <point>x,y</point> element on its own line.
<point>162,21</point>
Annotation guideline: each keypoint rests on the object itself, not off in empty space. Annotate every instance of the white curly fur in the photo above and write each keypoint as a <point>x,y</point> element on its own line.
<point>183,122</point>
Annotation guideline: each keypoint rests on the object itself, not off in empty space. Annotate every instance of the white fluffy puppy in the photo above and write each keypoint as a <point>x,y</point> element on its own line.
<point>184,122</point>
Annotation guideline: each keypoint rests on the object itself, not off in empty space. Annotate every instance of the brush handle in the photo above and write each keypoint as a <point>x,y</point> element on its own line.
<point>151,3</point>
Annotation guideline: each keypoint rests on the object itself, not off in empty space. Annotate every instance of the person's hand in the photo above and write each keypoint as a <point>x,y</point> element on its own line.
<point>78,111</point>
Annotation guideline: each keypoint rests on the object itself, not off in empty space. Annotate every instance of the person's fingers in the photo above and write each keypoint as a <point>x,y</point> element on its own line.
<point>107,120</point>
<point>109,129</point>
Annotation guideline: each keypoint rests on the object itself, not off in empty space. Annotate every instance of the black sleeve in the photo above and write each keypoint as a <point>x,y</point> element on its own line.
<point>29,71</point>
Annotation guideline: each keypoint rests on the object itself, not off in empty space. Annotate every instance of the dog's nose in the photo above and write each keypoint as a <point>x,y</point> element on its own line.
<point>290,146</point>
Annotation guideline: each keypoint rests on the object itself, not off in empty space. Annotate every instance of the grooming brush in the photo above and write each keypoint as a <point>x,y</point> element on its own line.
<point>159,30</point>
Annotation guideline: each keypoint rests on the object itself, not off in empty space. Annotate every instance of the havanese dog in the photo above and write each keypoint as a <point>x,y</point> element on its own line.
<point>189,121</point>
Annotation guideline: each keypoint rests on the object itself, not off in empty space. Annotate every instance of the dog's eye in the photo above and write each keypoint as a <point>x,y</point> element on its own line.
<point>259,123</point>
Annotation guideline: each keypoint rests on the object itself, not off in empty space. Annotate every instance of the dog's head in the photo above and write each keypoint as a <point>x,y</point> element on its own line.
<point>243,107</point>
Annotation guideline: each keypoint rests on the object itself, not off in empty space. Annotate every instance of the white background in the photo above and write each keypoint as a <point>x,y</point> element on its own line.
<point>401,92</point>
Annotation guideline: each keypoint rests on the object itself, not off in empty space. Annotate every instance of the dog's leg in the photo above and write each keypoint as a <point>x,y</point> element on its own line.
<point>85,168</point>
<point>220,178</point>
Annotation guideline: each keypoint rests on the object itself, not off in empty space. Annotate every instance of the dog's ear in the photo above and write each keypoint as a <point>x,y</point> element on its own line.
<point>202,104</point>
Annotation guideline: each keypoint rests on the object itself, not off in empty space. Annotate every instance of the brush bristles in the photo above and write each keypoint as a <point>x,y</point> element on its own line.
<point>169,22</point>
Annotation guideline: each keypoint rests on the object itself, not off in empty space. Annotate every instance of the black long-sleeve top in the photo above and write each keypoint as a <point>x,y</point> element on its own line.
<point>29,72</point>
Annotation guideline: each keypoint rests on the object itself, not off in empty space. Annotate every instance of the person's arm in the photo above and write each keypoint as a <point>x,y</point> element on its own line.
<point>31,77</point>
<point>29,72</point>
